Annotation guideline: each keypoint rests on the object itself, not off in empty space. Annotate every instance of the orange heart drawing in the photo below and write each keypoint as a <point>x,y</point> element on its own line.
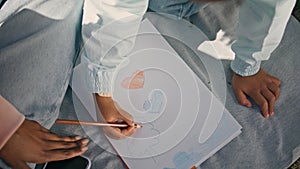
<point>136,81</point>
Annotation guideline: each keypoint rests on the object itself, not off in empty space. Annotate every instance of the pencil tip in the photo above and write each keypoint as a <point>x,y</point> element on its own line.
<point>137,126</point>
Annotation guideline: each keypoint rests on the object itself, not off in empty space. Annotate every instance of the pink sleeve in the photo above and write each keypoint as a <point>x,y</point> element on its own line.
<point>10,120</point>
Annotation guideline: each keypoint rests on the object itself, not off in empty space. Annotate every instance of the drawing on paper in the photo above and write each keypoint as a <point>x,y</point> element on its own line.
<point>136,81</point>
<point>184,159</point>
<point>153,132</point>
<point>155,102</point>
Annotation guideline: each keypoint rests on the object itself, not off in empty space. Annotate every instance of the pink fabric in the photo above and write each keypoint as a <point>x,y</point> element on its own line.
<point>10,120</point>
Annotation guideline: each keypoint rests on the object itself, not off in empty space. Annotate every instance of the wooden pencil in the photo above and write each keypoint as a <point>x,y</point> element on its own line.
<point>76,122</point>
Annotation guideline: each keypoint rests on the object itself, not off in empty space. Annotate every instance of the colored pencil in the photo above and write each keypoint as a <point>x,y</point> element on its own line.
<point>76,122</point>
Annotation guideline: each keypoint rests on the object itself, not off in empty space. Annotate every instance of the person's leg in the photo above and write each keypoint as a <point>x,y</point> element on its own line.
<point>179,8</point>
<point>36,61</point>
<point>188,10</point>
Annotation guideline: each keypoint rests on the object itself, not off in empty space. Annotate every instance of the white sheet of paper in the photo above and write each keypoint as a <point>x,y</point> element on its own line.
<point>172,105</point>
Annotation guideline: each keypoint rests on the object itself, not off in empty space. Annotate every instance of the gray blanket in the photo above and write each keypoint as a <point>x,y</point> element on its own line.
<point>37,90</point>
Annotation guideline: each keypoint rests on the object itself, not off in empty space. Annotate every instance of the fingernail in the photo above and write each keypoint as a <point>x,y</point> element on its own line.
<point>272,113</point>
<point>267,116</point>
<point>247,105</point>
<point>85,141</point>
<point>84,148</point>
<point>78,138</point>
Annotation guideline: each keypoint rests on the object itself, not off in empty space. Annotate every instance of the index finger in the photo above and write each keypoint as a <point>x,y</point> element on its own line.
<point>54,137</point>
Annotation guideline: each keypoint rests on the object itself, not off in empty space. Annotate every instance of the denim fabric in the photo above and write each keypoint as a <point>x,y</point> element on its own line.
<point>179,8</point>
<point>36,59</point>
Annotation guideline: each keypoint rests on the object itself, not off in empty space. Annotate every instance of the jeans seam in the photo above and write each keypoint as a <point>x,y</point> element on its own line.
<point>181,11</point>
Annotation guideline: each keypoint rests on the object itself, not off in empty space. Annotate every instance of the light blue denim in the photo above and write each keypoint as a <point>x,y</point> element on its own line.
<point>179,8</point>
<point>37,55</point>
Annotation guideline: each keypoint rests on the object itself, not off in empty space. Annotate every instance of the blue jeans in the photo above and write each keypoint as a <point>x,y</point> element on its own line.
<point>37,55</point>
<point>179,8</point>
<point>183,9</point>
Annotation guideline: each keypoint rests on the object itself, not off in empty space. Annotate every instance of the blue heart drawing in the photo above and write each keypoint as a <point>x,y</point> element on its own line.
<point>155,102</point>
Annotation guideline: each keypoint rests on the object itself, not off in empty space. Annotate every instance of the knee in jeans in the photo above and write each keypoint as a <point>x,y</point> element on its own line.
<point>179,8</point>
<point>157,5</point>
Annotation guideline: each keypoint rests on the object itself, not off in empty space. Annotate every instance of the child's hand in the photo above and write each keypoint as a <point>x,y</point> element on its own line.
<point>112,113</point>
<point>261,87</point>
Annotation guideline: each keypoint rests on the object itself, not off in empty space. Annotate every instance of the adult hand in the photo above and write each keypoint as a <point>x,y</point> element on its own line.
<point>34,143</point>
<point>112,113</point>
<point>261,87</point>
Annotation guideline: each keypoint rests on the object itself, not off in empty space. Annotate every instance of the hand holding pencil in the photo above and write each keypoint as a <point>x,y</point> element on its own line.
<point>111,112</point>
<point>119,123</point>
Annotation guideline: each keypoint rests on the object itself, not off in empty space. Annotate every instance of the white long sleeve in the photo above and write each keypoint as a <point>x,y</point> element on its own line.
<point>261,27</point>
<point>109,30</point>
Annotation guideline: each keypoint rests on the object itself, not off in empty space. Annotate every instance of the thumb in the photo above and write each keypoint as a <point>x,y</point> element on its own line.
<point>124,115</point>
